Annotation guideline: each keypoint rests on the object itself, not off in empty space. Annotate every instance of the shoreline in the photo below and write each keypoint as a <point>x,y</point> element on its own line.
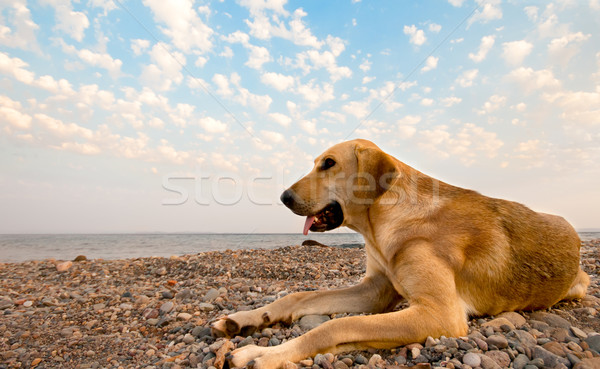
<point>154,312</point>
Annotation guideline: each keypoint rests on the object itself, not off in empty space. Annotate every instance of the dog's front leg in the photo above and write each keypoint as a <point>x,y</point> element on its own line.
<point>374,294</point>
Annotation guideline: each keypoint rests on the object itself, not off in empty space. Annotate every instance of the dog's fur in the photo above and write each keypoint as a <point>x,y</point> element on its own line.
<point>450,252</point>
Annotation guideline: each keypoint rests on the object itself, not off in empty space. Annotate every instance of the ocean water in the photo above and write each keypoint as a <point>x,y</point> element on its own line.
<point>23,247</point>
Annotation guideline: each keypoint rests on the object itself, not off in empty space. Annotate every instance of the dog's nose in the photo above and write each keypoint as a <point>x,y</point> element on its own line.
<point>287,198</point>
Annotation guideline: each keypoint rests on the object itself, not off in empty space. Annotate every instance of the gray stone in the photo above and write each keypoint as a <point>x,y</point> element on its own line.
<point>5,304</point>
<point>184,294</point>
<point>488,363</point>
<point>200,331</point>
<point>550,360</point>
<point>500,357</point>
<point>525,338</point>
<point>579,333</point>
<point>520,361</point>
<point>359,359</point>
<point>167,307</point>
<point>245,342</point>
<point>594,342</point>
<point>188,338</point>
<point>551,319</point>
<point>471,359</point>
<point>309,322</point>
<point>205,306</point>
<point>497,340</point>
<point>515,318</point>
<point>210,295</point>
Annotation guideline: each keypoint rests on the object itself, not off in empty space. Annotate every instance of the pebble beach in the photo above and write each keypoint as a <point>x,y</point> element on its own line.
<point>156,313</point>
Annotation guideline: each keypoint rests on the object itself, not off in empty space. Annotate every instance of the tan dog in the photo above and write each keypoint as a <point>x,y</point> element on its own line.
<point>448,251</point>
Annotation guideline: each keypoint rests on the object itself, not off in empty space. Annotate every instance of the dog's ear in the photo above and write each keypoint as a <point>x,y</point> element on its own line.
<point>375,174</point>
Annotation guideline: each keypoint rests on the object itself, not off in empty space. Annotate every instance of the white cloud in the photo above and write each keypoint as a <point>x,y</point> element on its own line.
<point>168,152</point>
<point>515,52</point>
<point>273,137</point>
<point>579,108</point>
<point>417,36</point>
<point>69,21</point>
<point>456,3</point>
<point>365,66</point>
<point>95,59</point>
<point>11,112</point>
<point>530,79</point>
<point>335,116</point>
<point>494,103</point>
<point>138,46</point>
<point>212,125</point>
<point>484,47</point>
<point>22,34</point>
<point>427,102</point>
<point>430,64</point>
<point>227,52</point>
<point>309,126</point>
<point>490,11</point>
<point>467,78</point>
<point>410,120</point>
<point>316,94</point>
<point>595,4</point>
<point>566,47</point>
<point>469,143</point>
<point>201,62</point>
<point>532,153</point>
<point>258,55</point>
<point>359,109</point>
<point>435,28</point>
<point>165,70</point>
<point>367,79</point>
<point>278,81</point>
<point>15,67</point>
<point>450,101</point>
<point>325,59</point>
<point>184,26</point>
<point>281,119</point>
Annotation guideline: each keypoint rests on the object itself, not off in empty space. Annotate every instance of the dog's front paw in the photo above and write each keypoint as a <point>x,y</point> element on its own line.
<point>242,323</point>
<point>255,357</point>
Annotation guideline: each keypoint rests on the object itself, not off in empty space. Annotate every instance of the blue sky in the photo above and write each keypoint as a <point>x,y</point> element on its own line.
<point>181,116</point>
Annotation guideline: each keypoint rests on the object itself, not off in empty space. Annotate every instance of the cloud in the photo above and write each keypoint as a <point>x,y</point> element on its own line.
<point>278,81</point>
<point>316,94</point>
<point>326,59</point>
<point>435,28</point>
<point>67,20</point>
<point>16,68</point>
<point>21,34</point>
<point>212,125</point>
<point>138,46</point>
<point>468,143</point>
<point>514,52</point>
<point>430,64</point>
<point>365,66</point>
<point>467,78</point>
<point>564,48</point>
<point>359,109</point>
<point>579,108</point>
<point>258,55</point>
<point>450,101</point>
<point>240,94</point>
<point>417,36</point>
<point>335,116</point>
<point>531,80</point>
<point>281,119</point>
<point>494,103</point>
<point>406,126</point>
<point>165,71</point>
<point>456,3</point>
<point>427,102</point>
<point>490,11</point>
<point>95,59</point>
<point>272,136</point>
<point>10,112</point>
<point>183,25</point>
<point>484,47</point>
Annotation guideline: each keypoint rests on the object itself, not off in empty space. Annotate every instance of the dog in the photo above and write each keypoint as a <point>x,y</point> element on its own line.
<point>450,252</point>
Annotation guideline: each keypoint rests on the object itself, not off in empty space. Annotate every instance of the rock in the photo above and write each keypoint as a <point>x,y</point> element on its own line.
<point>306,362</point>
<point>210,295</point>
<point>150,313</point>
<point>6,303</point>
<point>520,361</point>
<point>188,338</point>
<point>246,341</point>
<point>200,331</point>
<point>309,322</point>
<point>64,266</point>
<point>184,316</point>
<point>67,332</point>
<point>500,357</point>
<point>98,306</point>
<point>167,295</point>
<point>79,258</point>
<point>525,337</point>
<point>205,306</point>
<point>28,303</point>
<point>498,323</point>
<point>376,361</point>
<point>361,360</point>
<point>579,333</point>
<point>36,361</point>
<point>594,342</point>
<point>430,342</point>
<point>539,325</point>
<point>550,360</point>
<point>515,318</point>
<point>481,343</point>
<point>471,359</point>
<point>167,307</point>
<point>593,363</point>
<point>555,348</point>
<point>313,243</point>
<point>497,340</point>
<point>152,321</point>
<point>184,294</point>
<point>488,363</point>
<point>551,319</point>
<point>340,365</point>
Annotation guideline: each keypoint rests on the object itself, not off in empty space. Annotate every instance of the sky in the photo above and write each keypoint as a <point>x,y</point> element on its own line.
<point>193,116</point>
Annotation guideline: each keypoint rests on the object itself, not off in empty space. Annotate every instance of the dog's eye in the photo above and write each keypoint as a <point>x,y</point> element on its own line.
<point>328,163</point>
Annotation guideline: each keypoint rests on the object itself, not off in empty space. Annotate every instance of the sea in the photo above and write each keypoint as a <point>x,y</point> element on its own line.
<point>25,247</point>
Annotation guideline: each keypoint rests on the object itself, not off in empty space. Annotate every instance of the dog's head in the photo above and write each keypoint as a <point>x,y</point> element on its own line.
<point>346,179</point>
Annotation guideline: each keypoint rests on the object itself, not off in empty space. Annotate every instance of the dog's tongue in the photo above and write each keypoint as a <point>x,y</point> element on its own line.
<point>308,223</point>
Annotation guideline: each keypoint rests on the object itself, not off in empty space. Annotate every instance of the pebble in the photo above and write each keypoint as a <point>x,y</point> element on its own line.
<point>497,340</point>
<point>80,258</point>
<point>578,333</point>
<point>551,319</point>
<point>498,323</point>
<point>28,303</point>
<point>184,316</point>
<point>500,357</point>
<point>210,295</point>
<point>520,361</point>
<point>204,306</point>
<point>515,318</point>
<point>188,338</point>
<point>167,307</point>
<point>309,322</point>
<point>471,359</point>
<point>64,266</point>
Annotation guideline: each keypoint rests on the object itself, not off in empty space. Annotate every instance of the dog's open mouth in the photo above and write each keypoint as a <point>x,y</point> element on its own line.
<point>329,218</point>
